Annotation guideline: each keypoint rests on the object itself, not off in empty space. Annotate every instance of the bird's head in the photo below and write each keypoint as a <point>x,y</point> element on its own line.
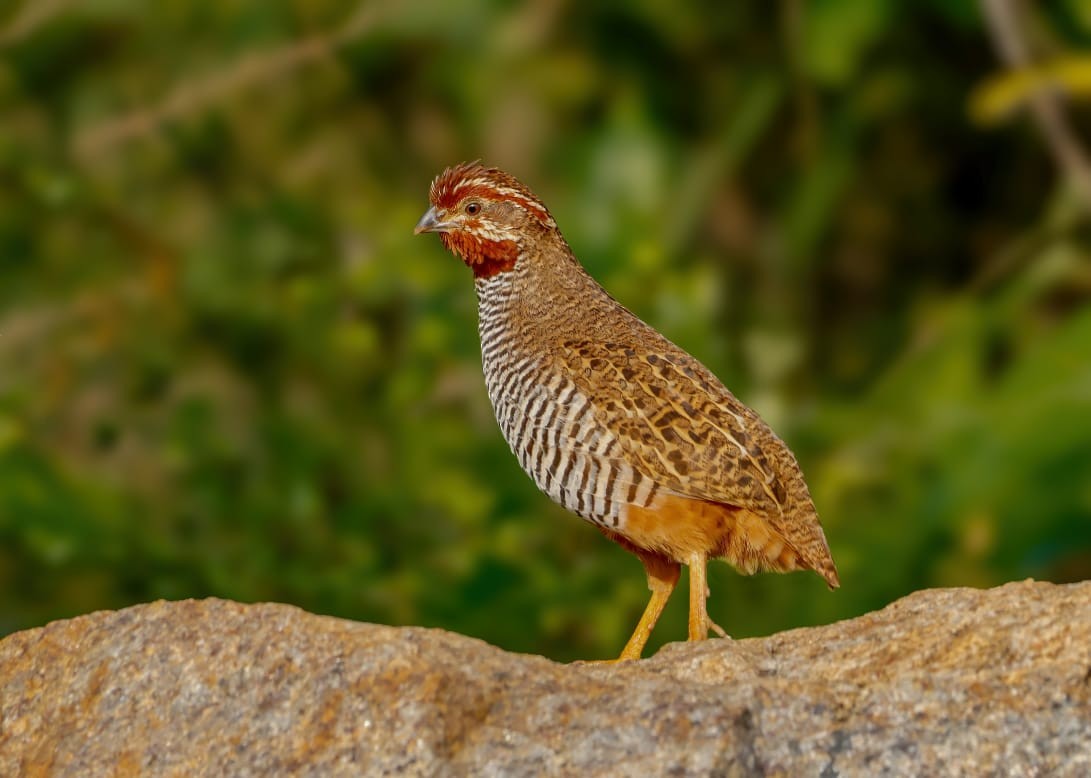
<point>485,216</point>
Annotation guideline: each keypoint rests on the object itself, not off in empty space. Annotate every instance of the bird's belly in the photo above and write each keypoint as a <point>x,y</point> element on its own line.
<point>553,431</point>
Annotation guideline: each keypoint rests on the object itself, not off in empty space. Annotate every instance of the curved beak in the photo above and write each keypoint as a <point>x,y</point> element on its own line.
<point>430,222</point>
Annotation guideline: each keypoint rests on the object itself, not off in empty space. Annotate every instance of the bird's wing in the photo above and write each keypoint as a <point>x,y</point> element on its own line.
<point>677,424</point>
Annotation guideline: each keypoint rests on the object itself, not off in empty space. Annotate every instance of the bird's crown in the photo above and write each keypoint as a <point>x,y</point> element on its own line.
<point>474,180</point>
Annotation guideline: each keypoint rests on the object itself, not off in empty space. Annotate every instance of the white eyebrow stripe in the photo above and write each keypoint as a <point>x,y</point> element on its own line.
<point>532,205</point>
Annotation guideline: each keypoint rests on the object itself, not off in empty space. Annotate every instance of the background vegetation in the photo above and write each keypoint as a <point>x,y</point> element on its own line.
<point>228,368</point>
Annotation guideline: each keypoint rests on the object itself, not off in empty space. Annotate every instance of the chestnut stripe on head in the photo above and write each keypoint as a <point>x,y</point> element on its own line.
<point>471,179</point>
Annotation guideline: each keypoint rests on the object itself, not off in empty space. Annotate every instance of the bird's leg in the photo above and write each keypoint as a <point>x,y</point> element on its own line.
<point>699,622</point>
<point>662,577</point>
<point>698,593</point>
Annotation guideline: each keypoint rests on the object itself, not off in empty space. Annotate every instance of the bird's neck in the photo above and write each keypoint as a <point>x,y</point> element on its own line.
<point>546,295</point>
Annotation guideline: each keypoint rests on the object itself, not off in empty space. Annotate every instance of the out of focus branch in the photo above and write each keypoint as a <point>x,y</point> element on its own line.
<point>32,15</point>
<point>1045,106</point>
<point>191,97</point>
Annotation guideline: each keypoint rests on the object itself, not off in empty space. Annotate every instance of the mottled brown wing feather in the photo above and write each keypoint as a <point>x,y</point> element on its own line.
<point>679,424</point>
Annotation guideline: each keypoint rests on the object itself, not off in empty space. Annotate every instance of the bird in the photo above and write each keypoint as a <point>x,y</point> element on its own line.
<point>611,419</point>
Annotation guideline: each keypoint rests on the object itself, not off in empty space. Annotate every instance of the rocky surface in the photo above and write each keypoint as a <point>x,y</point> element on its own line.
<point>951,682</point>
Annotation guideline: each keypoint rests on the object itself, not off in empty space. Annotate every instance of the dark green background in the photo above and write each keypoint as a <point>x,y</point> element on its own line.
<point>227,366</point>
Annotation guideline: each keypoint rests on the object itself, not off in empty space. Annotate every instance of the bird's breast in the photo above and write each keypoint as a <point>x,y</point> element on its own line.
<point>552,426</point>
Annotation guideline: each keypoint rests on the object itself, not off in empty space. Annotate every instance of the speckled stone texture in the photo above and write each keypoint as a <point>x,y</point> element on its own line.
<point>943,682</point>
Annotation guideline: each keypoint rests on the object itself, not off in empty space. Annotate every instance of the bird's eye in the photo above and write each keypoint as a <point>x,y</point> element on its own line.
<point>472,208</point>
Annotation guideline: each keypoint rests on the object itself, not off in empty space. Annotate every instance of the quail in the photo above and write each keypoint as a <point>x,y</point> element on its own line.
<point>612,420</point>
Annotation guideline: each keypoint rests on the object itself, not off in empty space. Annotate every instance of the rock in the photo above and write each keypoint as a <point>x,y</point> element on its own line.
<point>952,682</point>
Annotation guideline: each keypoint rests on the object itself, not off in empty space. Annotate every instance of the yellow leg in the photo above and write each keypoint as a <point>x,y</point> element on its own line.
<point>699,622</point>
<point>662,577</point>
<point>698,593</point>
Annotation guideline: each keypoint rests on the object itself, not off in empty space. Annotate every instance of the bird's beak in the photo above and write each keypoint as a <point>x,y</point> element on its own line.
<point>430,222</point>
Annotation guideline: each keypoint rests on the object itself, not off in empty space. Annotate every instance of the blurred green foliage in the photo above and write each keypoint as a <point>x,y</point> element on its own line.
<point>228,368</point>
